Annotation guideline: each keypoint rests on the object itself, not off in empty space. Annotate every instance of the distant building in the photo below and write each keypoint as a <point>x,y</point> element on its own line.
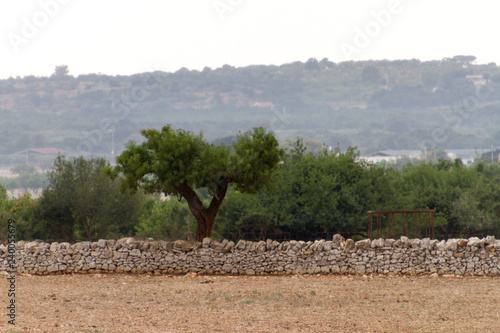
<point>478,80</point>
<point>45,151</point>
<point>393,155</point>
<point>467,156</point>
<point>491,155</point>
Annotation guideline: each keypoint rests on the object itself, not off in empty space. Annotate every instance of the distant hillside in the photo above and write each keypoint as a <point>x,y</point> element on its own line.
<point>372,104</point>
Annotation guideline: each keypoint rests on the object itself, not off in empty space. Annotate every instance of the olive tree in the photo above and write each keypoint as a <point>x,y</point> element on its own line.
<point>177,162</point>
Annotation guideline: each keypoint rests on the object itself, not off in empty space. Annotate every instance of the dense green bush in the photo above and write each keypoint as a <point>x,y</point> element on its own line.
<point>81,202</point>
<point>167,220</point>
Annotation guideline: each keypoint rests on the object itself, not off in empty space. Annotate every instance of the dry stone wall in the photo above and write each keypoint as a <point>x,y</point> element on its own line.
<point>471,256</point>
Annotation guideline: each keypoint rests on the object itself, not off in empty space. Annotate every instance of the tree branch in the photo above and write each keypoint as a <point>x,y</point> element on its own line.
<point>192,198</point>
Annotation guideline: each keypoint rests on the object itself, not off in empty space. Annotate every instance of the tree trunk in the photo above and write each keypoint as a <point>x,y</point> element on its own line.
<point>204,227</point>
<point>204,216</point>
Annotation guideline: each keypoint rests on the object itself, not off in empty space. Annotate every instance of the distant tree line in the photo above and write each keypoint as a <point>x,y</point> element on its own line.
<point>324,100</point>
<point>316,194</point>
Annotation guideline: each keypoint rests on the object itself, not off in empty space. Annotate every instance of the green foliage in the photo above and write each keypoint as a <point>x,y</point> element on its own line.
<point>21,210</point>
<point>254,161</point>
<point>173,157</point>
<point>371,74</point>
<point>332,192</point>
<point>81,202</point>
<point>170,158</point>
<point>326,192</point>
<point>23,169</point>
<point>61,71</point>
<point>242,214</point>
<point>177,162</point>
<point>25,181</point>
<point>464,199</point>
<point>3,193</point>
<point>167,220</point>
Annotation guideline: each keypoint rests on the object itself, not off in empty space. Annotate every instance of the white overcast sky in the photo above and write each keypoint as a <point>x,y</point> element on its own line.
<point>131,36</point>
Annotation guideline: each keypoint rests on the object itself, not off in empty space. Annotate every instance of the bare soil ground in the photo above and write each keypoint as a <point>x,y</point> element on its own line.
<point>145,303</point>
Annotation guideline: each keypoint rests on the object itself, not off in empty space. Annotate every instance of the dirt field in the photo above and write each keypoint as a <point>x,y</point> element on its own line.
<point>131,303</point>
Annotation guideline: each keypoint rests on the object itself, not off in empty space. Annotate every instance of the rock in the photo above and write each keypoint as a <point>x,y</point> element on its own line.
<point>241,245</point>
<point>360,269</point>
<point>216,246</point>
<point>64,246</point>
<point>489,240</point>
<point>451,245</point>
<point>363,244</point>
<point>52,268</point>
<point>490,248</point>
<point>184,245</point>
<point>462,243</point>
<point>349,245</point>
<point>425,243</point>
<point>54,247</point>
<point>135,253</point>
<point>415,243</point>
<point>252,246</point>
<point>315,246</point>
<point>327,246</point>
<point>337,240</point>
<point>82,246</point>
<point>474,241</point>
<point>284,246</point>
<point>261,247</point>
<point>396,255</point>
<point>298,246</point>
<point>206,242</point>
<point>29,247</point>
<point>101,243</point>
<point>379,242</point>
<point>119,243</point>
<point>433,243</point>
<point>230,246</point>
<point>389,242</point>
<point>440,246</point>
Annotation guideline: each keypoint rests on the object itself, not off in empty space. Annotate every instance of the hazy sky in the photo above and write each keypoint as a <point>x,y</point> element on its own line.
<point>132,36</point>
